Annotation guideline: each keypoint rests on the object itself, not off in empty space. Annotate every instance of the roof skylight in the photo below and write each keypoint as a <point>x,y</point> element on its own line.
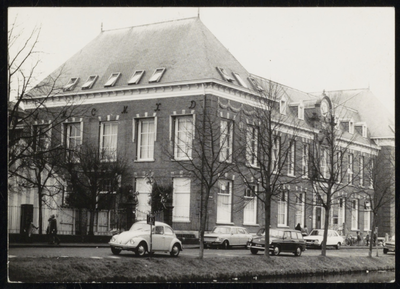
<point>136,77</point>
<point>255,84</point>
<point>239,79</point>
<point>225,74</point>
<point>158,73</point>
<point>113,79</point>
<point>71,84</point>
<point>89,82</point>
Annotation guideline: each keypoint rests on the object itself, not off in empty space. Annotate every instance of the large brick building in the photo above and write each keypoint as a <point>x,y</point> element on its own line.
<point>139,88</point>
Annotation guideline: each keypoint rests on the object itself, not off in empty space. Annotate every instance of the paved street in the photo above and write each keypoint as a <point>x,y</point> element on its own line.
<point>104,252</point>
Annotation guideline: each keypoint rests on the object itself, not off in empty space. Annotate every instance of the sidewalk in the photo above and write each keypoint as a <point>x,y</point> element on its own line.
<point>77,245</point>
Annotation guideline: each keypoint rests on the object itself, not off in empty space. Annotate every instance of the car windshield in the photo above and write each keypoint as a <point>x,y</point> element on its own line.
<point>140,227</point>
<point>221,230</point>
<point>261,232</point>
<point>275,233</point>
<point>317,233</point>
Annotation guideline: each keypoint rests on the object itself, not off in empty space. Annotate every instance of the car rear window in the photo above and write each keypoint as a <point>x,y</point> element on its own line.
<point>299,236</point>
<point>222,230</point>
<point>276,233</point>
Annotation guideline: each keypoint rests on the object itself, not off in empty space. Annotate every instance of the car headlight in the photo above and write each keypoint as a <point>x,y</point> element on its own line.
<point>218,239</point>
<point>250,239</point>
<point>316,241</point>
<point>132,242</point>
<point>113,239</point>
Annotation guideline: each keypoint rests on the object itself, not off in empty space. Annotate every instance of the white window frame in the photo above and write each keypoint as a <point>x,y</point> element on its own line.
<point>41,133</point>
<point>136,77</point>
<point>90,82</point>
<point>252,146</point>
<point>305,160</point>
<point>338,167</point>
<point>350,168</point>
<point>71,84</point>
<point>361,170</point>
<point>342,211</point>
<point>183,147</point>
<point>226,141</point>
<point>282,209</point>
<point>250,207</point>
<point>283,105</point>
<point>367,216</point>
<point>351,126</point>
<point>108,153</point>
<point>66,128</point>
<point>300,111</point>
<point>239,80</point>
<point>157,75</point>
<point>299,208</point>
<point>181,200</point>
<point>324,163</point>
<point>354,214</point>
<point>276,151</point>
<point>371,173</point>
<point>143,208</point>
<point>224,202</point>
<point>112,79</point>
<point>291,158</point>
<point>140,138</point>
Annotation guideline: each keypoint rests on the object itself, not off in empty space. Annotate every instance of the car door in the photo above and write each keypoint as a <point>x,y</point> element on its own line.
<point>158,239</point>
<point>169,236</point>
<point>233,237</point>
<point>288,242</point>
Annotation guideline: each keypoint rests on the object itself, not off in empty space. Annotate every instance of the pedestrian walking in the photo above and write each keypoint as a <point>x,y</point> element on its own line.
<point>367,239</point>
<point>298,227</point>
<point>358,238</point>
<point>31,228</point>
<point>52,230</point>
<point>304,231</point>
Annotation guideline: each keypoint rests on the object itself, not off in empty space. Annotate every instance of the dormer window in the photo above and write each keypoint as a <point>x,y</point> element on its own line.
<point>89,82</point>
<point>225,74</point>
<point>158,73</point>
<point>351,127</point>
<point>136,77</point>
<point>361,128</point>
<point>71,84</point>
<point>255,83</point>
<point>239,80</point>
<point>282,105</point>
<point>301,111</point>
<point>112,80</point>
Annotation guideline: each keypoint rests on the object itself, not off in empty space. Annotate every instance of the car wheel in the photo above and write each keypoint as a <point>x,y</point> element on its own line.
<point>225,245</point>
<point>141,250</point>
<point>297,252</point>
<point>276,251</point>
<point>338,246</point>
<point>175,250</point>
<point>253,251</point>
<point>385,251</point>
<point>115,251</point>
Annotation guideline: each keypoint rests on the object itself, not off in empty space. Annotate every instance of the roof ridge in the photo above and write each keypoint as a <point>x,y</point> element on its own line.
<point>148,24</point>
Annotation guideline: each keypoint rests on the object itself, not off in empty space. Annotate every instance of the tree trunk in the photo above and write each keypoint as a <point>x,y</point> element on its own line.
<point>326,226</point>
<point>40,212</point>
<point>203,219</point>
<point>267,211</point>
<point>371,235</point>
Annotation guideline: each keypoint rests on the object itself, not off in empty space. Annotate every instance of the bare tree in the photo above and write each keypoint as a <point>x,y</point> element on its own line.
<point>206,152</point>
<point>92,175</point>
<point>267,163</point>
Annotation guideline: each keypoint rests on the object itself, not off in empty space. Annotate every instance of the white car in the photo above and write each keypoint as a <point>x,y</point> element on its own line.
<point>137,239</point>
<point>227,236</point>
<point>314,239</point>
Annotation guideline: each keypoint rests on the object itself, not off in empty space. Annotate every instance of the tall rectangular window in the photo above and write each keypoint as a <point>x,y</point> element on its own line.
<point>143,208</point>
<point>250,208</point>
<point>224,199</point>
<point>350,169</point>
<point>371,175</point>
<point>108,140</point>
<point>304,160</point>
<point>41,137</point>
<point>354,214</point>
<point>367,216</point>
<point>146,137</point>
<point>183,137</point>
<point>252,145</point>
<point>324,165</point>
<point>338,167</point>
<point>299,207</point>
<point>73,138</point>
<point>181,200</point>
<point>361,170</point>
<point>276,147</point>
<point>282,209</point>
<point>226,139</point>
<point>291,158</point>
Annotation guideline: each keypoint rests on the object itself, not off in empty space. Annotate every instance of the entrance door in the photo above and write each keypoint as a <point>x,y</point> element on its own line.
<point>318,218</point>
<point>26,217</point>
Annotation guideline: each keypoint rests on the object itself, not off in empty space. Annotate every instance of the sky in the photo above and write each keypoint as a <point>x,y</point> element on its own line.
<point>309,49</point>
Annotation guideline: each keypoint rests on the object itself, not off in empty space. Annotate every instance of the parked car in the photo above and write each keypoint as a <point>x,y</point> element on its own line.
<point>280,240</point>
<point>226,236</point>
<point>389,246</point>
<point>315,238</point>
<point>137,239</point>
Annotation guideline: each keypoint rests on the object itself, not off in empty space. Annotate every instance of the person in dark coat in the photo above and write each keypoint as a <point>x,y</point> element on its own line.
<point>298,227</point>
<point>52,230</point>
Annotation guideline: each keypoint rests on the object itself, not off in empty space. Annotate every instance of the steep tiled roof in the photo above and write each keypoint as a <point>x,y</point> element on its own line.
<point>185,48</point>
<point>379,120</point>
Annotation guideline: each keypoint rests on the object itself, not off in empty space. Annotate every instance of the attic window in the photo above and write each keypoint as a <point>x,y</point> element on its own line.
<point>224,74</point>
<point>351,127</point>
<point>89,82</point>
<point>282,107</point>
<point>255,84</point>
<point>301,111</point>
<point>364,131</point>
<point>158,73</point>
<point>239,79</point>
<point>112,80</point>
<point>71,84</point>
<point>136,77</point>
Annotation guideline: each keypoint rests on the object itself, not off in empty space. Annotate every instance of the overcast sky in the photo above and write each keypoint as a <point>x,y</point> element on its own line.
<point>310,49</point>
